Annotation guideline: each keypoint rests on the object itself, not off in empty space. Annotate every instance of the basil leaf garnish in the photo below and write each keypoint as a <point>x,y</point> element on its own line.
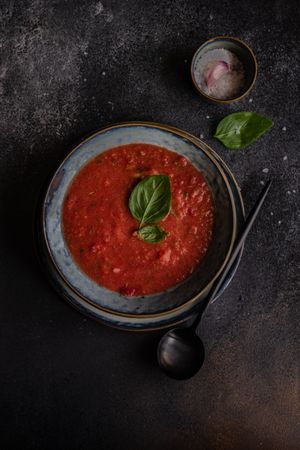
<point>150,200</point>
<point>238,130</point>
<point>152,233</point>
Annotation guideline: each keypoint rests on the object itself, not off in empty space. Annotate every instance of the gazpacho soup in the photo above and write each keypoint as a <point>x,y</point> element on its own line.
<point>138,219</point>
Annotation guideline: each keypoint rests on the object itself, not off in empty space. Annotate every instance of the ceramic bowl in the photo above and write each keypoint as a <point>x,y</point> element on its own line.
<point>241,50</point>
<point>141,322</point>
<point>198,284</point>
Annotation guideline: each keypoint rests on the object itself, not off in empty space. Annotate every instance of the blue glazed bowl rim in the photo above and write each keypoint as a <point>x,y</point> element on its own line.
<point>181,134</point>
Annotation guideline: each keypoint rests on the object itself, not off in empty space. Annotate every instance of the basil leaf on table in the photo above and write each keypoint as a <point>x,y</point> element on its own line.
<point>150,200</point>
<point>238,130</point>
<point>152,233</point>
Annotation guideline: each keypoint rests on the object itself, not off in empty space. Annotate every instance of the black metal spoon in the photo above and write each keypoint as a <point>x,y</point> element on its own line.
<point>180,351</point>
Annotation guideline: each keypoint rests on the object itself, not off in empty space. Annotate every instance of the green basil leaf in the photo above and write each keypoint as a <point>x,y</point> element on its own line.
<point>150,200</point>
<point>238,130</point>
<point>152,233</point>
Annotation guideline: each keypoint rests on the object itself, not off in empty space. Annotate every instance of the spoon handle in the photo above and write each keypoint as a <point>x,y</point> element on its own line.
<point>237,247</point>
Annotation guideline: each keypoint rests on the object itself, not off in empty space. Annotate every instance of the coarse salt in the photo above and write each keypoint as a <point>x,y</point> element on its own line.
<point>220,74</point>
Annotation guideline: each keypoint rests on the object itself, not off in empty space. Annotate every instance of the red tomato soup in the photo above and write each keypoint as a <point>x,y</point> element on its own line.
<point>99,228</point>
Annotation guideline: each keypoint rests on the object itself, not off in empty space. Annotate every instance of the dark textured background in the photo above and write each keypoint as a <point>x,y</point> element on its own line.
<point>68,68</point>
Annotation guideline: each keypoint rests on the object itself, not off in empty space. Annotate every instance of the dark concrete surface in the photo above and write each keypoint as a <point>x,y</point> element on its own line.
<point>67,68</point>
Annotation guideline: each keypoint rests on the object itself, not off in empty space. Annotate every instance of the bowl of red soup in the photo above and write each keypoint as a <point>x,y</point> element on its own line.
<point>138,221</point>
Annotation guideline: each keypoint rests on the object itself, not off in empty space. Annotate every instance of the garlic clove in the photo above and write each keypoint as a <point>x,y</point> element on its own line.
<point>215,70</point>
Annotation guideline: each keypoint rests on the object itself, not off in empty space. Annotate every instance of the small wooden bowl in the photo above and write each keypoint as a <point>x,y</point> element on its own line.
<point>241,50</point>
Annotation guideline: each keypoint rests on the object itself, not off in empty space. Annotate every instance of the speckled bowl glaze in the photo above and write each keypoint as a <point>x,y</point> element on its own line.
<point>241,50</point>
<point>140,322</point>
<point>164,306</point>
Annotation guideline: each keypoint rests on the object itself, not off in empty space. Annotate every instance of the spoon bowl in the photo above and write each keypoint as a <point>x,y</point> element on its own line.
<point>181,353</point>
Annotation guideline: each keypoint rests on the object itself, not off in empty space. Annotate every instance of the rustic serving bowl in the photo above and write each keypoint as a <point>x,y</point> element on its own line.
<point>109,306</point>
<point>241,50</point>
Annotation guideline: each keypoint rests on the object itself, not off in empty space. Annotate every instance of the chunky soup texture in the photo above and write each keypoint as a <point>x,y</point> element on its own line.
<point>99,228</point>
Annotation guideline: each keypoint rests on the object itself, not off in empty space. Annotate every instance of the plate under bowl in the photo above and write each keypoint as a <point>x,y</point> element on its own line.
<point>140,322</point>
